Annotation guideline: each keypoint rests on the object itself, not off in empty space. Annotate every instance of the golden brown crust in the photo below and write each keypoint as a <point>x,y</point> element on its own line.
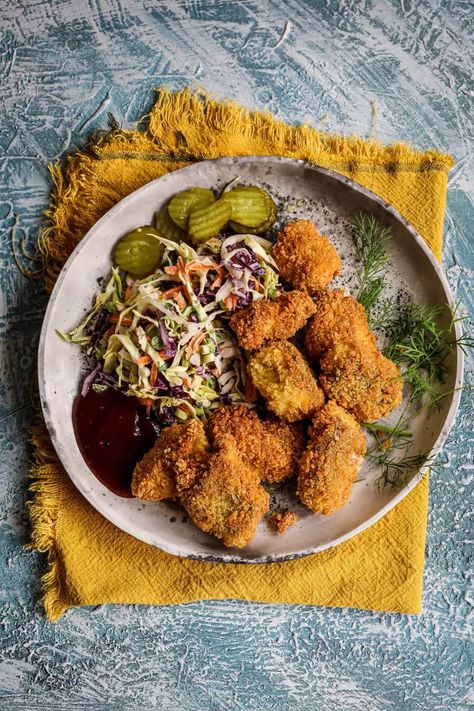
<point>354,372</point>
<point>305,259</point>
<point>153,477</point>
<point>286,381</point>
<point>362,380</point>
<point>337,317</point>
<point>222,495</point>
<point>331,461</point>
<point>271,448</point>
<point>282,520</point>
<point>267,320</point>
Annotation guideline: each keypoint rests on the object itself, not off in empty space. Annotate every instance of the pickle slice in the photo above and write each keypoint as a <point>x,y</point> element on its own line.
<point>251,206</point>
<point>167,228</point>
<point>206,222</point>
<point>242,229</point>
<point>139,252</point>
<point>181,205</point>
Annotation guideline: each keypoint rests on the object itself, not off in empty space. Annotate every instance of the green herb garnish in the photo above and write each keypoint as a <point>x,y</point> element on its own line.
<point>370,240</point>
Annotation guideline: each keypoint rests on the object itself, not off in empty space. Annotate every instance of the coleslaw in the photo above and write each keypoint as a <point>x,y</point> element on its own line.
<point>165,338</point>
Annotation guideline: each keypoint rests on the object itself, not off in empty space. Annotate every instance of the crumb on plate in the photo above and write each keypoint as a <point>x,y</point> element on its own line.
<point>282,520</point>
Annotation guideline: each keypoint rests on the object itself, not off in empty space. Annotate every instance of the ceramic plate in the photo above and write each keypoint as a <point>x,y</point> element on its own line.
<point>302,190</point>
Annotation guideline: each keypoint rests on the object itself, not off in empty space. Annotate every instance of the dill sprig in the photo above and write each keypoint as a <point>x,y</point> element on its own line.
<point>370,240</point>
<point>418,343</point>
<point>417,340</point>
<point>420,346</point>
<point>397,472</point>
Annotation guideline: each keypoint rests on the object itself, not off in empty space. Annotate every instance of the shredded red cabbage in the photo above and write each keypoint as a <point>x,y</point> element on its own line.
<point>161,382</point>
<point>244,301</point>
<point>169,343</point>
<point>179,391</point>
<point>246,259</point>
<point>167,416</point>
<point>89,379</point>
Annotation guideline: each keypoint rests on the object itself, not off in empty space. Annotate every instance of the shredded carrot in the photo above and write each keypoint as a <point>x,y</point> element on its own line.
<point>180,301</point>
<point>128,292</point>
<point>171,292</point>
<point>147,402</point>
<point>256,285</point>
<point>231,301</point>
<point>200,267</point>
<point>115,318</point>
<point>187,381</point>
<point>219,278</point>
<point>177,294</point>
<point>144,360</point>
<point>153,374</point>
<point>194,343</point>
<point>163,355</point>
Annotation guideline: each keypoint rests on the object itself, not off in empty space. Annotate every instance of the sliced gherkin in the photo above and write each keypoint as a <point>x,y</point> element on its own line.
<point>139,252</point>
<point>181,205</point>
<point>241,228</point>
<point>167,228</point>
<point>251,206</point>
<point>206,222</point>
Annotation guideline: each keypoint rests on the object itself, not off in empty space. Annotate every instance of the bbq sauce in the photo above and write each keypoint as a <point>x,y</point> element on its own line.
<point>113,432</point>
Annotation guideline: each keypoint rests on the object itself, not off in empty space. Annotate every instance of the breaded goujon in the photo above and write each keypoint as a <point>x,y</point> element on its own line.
<point>361,379</point>
<point>354,372</point>
<point>337,316</point>
<point>153,477</point>
<point>222,495</point>
<point>268,320</point>
<point>305,259</point>
<point>286,381</point>
<point>272,448</point>
<point>330,463</point>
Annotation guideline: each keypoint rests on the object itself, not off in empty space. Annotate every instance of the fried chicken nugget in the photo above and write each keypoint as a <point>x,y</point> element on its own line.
<point>222,495</point>
<point>306,259</point>
<point>266,320</point>
<point>354,372</point>
<point>338,316</point>
<point>153,477</point>
<point>272,448</point>
<point>331,461</point>
<point>286,381</point>
<point>362,380</point>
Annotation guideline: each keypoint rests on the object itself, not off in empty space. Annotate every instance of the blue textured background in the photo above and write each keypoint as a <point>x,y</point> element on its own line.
<point>63,66</point>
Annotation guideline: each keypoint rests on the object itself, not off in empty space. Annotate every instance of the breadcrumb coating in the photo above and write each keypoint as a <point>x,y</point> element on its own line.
<point>153,477</point>
<point>222,495</point>
<point>305,259</point>
<point>354,372</point>
<point>330,464</point>
<point>338,316</point>
<point>282,520</point>
<point>362,380</point>
<point>272,448</point>
<point>267,320</point>
<point>286,381</point>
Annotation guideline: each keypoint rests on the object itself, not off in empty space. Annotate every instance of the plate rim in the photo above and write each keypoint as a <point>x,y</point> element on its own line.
<point>404,491</point>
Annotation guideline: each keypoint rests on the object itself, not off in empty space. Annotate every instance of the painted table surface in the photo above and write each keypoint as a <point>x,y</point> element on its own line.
<point>63,67</point>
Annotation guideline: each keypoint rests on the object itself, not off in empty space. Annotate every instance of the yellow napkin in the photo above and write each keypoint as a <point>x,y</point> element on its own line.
<point>90,561</point>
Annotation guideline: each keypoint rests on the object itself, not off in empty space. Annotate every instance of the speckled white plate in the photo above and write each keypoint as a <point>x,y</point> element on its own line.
<point>302,190</point>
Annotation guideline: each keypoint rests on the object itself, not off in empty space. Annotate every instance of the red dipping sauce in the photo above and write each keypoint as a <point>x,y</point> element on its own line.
<point>113,432</point>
